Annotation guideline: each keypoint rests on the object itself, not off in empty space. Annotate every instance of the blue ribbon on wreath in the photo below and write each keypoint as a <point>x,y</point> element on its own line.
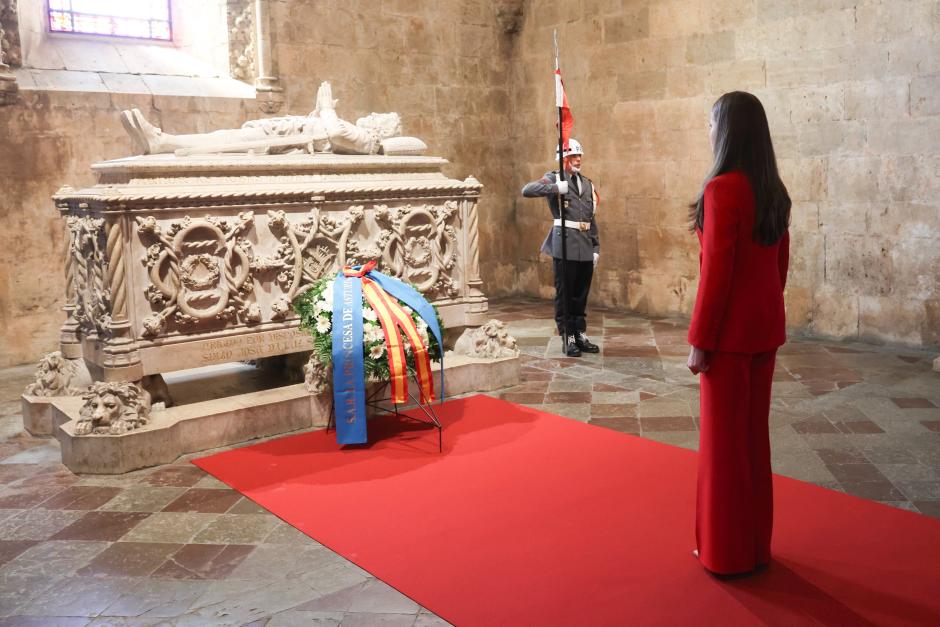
<point>349,390</point>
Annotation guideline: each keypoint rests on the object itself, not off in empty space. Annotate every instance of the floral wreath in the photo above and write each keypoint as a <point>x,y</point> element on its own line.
<point>315,308</point>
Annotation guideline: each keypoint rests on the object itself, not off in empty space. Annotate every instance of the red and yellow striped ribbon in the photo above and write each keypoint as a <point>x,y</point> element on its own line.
<point>418,347</point>
<point>394,319</point>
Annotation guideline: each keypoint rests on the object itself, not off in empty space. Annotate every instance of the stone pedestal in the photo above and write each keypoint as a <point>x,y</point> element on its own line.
<point>37,414</point>
<point>220,422</point>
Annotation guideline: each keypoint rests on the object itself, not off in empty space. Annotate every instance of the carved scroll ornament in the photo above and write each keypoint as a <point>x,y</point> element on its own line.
<point>203,269</point>
<point>415,243</point>
<point>420,245</point>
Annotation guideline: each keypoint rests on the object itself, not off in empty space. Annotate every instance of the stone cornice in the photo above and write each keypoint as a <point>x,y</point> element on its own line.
<point>159,180</point>
<point>146,166</point>
<point>114,200</point>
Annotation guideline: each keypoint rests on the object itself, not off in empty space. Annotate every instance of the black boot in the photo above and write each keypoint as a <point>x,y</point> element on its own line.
<point>581,339</point>
<point>571,348</point>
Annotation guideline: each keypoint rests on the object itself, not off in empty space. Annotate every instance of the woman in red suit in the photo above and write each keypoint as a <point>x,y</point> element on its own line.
<point>741,218</point>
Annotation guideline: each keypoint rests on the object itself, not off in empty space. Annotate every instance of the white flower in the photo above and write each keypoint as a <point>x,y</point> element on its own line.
<point>323,324</point>
<point>322,306</point>
<point>327,293</point>
<point>422,325</point>
<point>369,314</point>
<point>376,351</point>
<point>373,333</point>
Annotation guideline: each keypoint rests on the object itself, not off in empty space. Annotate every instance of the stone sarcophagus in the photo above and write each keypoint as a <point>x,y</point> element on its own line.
<point>181,262</point>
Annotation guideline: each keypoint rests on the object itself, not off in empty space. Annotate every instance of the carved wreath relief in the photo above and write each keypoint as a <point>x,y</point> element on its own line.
<point>199,270</point>
<point>205,269</point>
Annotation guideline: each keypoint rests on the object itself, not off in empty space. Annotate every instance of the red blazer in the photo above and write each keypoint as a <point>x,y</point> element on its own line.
<point>739,305</point>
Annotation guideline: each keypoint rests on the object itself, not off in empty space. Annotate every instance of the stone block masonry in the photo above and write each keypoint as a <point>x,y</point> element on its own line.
<point>852,92</point>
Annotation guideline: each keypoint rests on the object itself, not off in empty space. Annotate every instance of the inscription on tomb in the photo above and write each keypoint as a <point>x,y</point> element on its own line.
<point>250,346</point>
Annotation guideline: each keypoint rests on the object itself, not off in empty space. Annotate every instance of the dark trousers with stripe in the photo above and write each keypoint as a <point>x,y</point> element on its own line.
<point>578,275</point>
<point>734,513</point>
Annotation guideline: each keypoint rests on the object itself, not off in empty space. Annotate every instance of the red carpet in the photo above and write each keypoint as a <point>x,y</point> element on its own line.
<point>532,519</point>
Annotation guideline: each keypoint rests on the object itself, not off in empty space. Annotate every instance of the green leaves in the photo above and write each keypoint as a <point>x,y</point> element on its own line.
<point>376,368</point>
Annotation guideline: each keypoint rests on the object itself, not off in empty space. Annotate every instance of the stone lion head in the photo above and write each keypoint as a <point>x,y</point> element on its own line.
<point>112,408</point>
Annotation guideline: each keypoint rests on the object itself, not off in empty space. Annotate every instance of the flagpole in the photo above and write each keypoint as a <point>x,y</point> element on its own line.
<point>562,205</point>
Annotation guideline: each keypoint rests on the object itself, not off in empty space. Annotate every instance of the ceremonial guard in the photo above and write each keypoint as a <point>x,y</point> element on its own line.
<point>574,272</point>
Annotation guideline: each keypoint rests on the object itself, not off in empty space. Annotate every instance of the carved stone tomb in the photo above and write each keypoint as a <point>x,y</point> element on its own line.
<point>176,263</point>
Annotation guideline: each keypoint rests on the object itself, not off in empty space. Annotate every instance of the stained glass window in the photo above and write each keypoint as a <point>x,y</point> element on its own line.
<point>142,19</point>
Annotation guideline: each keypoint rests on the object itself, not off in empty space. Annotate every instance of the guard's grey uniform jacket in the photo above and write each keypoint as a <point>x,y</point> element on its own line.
<point>580,245</point>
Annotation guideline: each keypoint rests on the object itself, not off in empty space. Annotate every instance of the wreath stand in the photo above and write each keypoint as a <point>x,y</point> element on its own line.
<point>371,401</point>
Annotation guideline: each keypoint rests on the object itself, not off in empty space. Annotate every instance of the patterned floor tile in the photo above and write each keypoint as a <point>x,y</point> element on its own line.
<point>37,524</point>
<point>176,476</point>
<point>143,499</point>
<point>237,529</point>
<point>102,526</point>
<point>129,559</point>
<point>913,403</point>
<point>11,548</point>
<point>80,497</point>
<point>623,424</point>
<point>654,424</point>
<point>203,561</point>
<point>204,501</point>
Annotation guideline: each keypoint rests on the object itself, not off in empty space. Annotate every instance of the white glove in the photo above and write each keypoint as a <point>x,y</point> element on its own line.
<point>596,257</point>
<point>562,187</point>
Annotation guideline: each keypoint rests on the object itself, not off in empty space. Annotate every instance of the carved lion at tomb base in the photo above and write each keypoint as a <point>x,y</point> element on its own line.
<point>113,408</point>
<point>490,341</point>
<point>54,377</point>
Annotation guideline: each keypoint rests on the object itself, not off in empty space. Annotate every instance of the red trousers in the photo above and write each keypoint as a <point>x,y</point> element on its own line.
<point>734,514</point>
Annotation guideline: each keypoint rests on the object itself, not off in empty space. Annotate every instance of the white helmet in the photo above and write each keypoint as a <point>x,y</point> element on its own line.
<point>574,148</point>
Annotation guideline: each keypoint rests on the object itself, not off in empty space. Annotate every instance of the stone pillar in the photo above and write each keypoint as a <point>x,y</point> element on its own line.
<point>120,354</point>
<point>469,218</point>
<point>270,94</point>
<point>70,344</point>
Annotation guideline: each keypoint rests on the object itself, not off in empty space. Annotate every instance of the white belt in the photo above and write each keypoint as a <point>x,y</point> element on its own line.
<point>578,226</point>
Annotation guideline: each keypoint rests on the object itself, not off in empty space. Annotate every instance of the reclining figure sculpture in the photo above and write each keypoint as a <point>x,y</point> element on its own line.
<point>319,132</point>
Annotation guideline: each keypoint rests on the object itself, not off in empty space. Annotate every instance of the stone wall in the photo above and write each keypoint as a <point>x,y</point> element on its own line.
<point>852,91</point>
<point>443,65</point>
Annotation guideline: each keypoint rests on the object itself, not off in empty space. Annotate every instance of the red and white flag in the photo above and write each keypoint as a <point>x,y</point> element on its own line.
<point>561,101</point>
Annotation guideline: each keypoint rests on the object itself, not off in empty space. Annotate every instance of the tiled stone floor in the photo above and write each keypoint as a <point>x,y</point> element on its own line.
<point>173,546</point>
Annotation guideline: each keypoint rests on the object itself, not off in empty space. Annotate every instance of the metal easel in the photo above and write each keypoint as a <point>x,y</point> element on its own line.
<point>372,401</point>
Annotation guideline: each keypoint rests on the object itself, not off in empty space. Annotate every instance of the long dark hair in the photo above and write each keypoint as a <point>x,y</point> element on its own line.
<point>742,142</point>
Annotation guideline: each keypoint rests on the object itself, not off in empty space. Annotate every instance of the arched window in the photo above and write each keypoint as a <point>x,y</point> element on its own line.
<point>139,19</point>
